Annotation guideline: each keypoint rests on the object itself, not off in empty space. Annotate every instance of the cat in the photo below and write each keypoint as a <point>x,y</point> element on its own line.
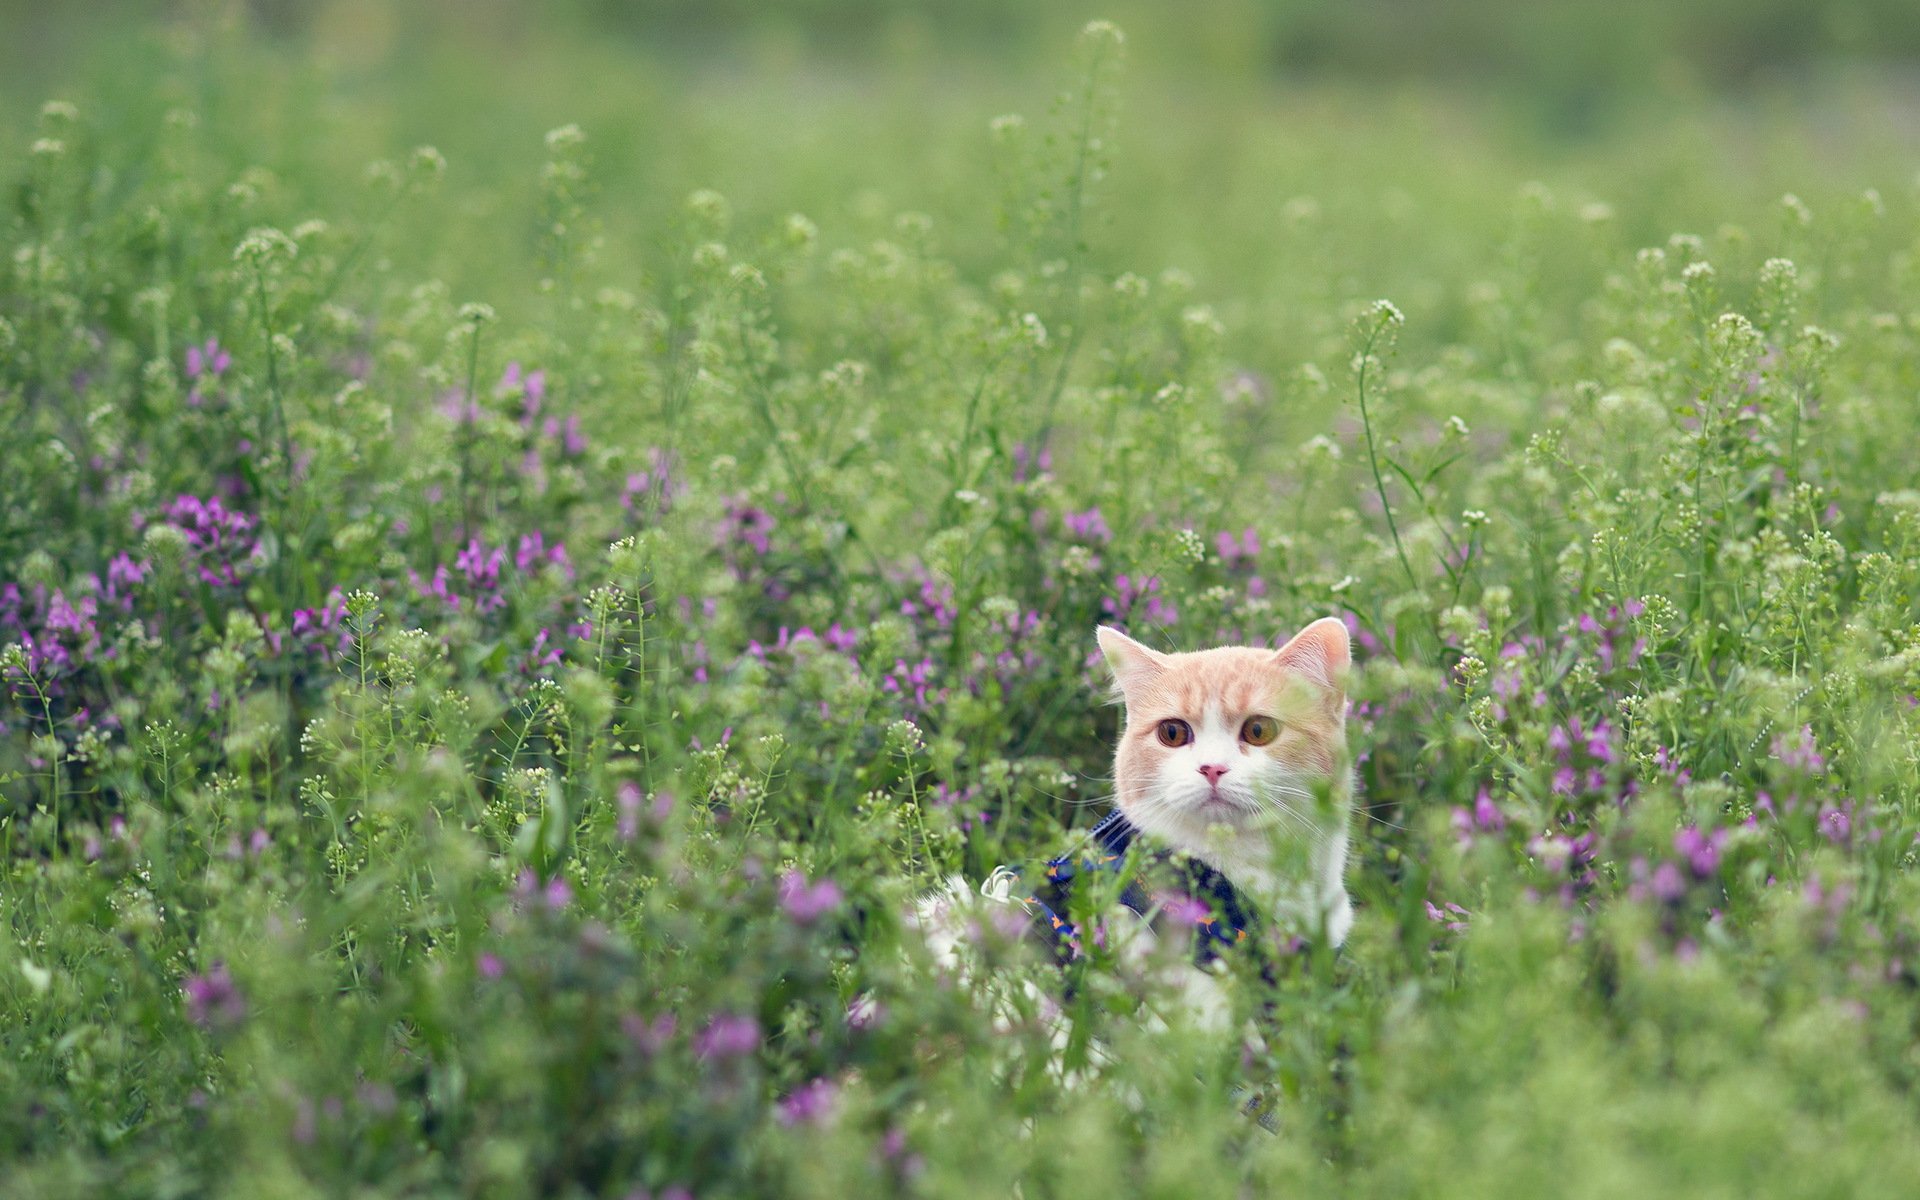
<point>1232,767</point>
<point>1238,757</point>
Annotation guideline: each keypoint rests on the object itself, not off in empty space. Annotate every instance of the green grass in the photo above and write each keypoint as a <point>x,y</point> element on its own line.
<point>408,767</point>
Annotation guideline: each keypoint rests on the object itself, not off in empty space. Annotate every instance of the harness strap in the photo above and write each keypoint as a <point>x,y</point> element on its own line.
<point>1220,915</point>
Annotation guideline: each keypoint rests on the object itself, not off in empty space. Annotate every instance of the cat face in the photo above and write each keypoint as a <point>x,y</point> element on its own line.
<point>1227,752</point>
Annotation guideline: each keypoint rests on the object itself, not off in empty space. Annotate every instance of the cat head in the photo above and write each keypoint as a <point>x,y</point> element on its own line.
<point>1236,749</point>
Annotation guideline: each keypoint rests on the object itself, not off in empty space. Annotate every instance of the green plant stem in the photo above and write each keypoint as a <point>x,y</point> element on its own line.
<point>1373,457</point>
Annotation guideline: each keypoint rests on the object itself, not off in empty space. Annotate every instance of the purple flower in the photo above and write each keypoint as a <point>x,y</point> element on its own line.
<point>649,1037</point>
<point>809,1104</point>
<point>572,442</point>
<point>124,574</point>
<point>555,894</point>
<point>303,1129</point>
<point>532,387</point>
<point>915,679</point>
<point>534,552</point>
<point>1144,592</point>
<point>658,484</point>
<point>1486,814</point>
<point>1088,526</point>
<point>1553,851</point>
<point>806,903</point>
<point>1185,909</point>
<point>1701,850</point>
<point>1667,883</point>
<point>627,796</point>
<point>1237,552</point>
<point>219,537</point>
<point>490,966</point>
<point>863,1013</point>
<point>209,359</point>
<point>785,641</point>
<point>1799,754</point>
<point>748,525</point>
<point>727,1036</point>
<point>480,565</point>
<point>1836,822</point>
<point>213,1000</point>
<point>1452,916</point>
<point>376,1098</point>
<point>1024,462</point>
<point>1665,760</point>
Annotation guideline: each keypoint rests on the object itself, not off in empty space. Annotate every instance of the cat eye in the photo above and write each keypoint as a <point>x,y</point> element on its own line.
<point>1258,731</point>
<point>1175,732</point>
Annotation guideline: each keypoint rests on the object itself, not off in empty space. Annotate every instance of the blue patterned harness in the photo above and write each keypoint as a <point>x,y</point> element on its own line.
<point>1227,921</point>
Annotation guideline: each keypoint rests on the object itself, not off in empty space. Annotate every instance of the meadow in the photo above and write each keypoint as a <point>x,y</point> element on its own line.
<point>522,554</point>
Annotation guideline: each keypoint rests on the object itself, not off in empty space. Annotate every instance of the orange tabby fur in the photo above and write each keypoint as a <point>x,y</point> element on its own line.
<point>1273,818</point>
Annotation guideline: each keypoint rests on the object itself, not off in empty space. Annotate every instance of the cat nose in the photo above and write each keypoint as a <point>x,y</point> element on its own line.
<point>1213,772</point>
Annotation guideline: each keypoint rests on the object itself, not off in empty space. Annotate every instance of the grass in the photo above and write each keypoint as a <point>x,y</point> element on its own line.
<point>495,640</point>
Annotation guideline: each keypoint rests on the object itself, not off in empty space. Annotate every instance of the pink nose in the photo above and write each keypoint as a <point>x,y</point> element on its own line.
<point>1213,772</point>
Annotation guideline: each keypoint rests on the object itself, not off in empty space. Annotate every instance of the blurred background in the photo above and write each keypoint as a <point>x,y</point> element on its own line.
<point>1279,151</point>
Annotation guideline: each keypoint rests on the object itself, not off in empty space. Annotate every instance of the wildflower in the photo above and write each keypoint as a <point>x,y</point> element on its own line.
<point>1799,753</point>
<point>1088,526</point>
<point>649,1037</point>
<point>303,1129</point>
<point>1386,314</point>
<point>657,485</point>
<point>213,1000</point>
<point>915,679</point>
<point>490,965</point>
<point>1187,910</point>
<point>805,903</point>
<point>1487,816</point>
<point>1027,464</point>
<point>480,565</point>
<point>1665,760</point>
<point>532,387</point>
<point>748,525</point>
<point>1701,850</point>
<point>864,1012</point>
<point>1453,917</point>
<point>727,1036</point>
<point>1552,850</point>
<point>124,574</point>
<point>219,538</point>
<point>533,552</point>
<point>936,602</point>
<point>1667,883</point>
<point>1236,552</point>
<point>554,895</point>
<point>1836,822</point>
<point>1143,592</point>
<point>627,796</point>
<point>208,360</point>
<point>809,1104</point>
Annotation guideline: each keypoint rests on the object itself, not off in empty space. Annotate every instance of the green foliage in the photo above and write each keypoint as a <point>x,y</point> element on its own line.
<point>493,656</point>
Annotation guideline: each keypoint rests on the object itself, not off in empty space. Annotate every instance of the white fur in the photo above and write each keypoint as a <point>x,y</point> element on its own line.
<point>1244,828</point>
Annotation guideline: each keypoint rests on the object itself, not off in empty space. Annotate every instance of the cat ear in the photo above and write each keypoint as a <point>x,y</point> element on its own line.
<point>1128,659</point>
<point>1320,652</point>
